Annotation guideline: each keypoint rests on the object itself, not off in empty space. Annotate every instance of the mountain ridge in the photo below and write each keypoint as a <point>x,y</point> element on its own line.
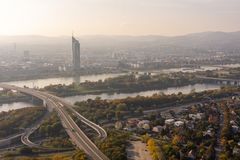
<point>204,41</point>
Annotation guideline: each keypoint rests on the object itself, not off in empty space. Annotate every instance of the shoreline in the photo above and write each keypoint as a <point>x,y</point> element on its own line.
<point>25,98</point>
<point>118,91</point>
<point>117,71</point>
<point>29,78</point>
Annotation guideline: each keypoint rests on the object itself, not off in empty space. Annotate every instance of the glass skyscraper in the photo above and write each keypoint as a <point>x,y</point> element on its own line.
<point>76,54</point>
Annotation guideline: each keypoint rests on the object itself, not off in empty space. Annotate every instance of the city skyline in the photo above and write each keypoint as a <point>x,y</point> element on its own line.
<point>105,17</point>
<point>119,79</point>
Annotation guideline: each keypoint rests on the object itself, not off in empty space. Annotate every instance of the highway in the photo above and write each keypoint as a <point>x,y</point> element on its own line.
<point>8,140</point>
<point>75,133</point>
<point>101,132</point>
<point>25,139</point>
<point>25,136</point>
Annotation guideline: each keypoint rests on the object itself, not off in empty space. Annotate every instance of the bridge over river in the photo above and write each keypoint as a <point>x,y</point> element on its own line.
<point>224,81</point>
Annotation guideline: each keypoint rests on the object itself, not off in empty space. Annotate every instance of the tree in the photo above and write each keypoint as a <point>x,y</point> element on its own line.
<point>223,156</point>
<point>155,150</point>
<point>60,157</point>
<point>121,107</point>
<point>114,146</point>
<point>145,138</point>
<point>210,154</point>
<point>176,140</point>
<point>25,151</point>
<point>140,110</point>
<point>79,155</point>
<point>117,115</point>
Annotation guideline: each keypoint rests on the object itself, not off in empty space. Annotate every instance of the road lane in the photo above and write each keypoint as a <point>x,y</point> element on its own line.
<point>76,134</point>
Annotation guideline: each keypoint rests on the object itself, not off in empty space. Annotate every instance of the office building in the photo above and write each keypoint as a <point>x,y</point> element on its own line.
<point>76,54</point>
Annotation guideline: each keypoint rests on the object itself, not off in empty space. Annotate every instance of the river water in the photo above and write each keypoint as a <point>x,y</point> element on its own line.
<point>171,90</point>
<point>73,99</point>
<point>40,83</point>
<point>14,106</point>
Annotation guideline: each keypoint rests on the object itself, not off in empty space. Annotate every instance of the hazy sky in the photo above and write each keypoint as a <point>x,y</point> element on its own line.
<point>117,17</point>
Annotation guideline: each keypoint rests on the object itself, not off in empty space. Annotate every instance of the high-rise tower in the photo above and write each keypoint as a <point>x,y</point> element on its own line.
<point>76,54</point>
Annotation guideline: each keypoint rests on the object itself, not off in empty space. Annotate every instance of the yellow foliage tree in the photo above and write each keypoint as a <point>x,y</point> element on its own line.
<point>155,150</point>
<point>176,140</point>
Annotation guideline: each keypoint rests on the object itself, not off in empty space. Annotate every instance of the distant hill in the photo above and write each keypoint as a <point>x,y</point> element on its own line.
<point>196,42</point>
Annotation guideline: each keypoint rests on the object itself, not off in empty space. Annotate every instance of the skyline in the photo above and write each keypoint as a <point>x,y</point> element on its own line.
<point>105,17</point>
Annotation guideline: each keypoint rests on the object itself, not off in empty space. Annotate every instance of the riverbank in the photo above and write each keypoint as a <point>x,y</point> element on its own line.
<point>109,111</point>
<point>12,99</point>
<point>15,78</point>
<point>129,91</point>
<point>41,83</point>
<point>125,84</point>
<point>41,80</point>
<point>72,99</point>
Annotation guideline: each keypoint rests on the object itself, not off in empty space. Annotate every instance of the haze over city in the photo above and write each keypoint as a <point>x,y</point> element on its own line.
<point>125,17</point>
<point>119,80</point>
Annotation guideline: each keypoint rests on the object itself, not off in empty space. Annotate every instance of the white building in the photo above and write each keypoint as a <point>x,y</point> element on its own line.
<point>157,129</point>
<point>178,123</point>
<point>146,126</point>
<point>143,123</point>
<point>196,116</point>
<point>235,129</point>
<point>169,121</point>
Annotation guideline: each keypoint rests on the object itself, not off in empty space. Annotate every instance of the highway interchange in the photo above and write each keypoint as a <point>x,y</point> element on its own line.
<point>78,138</point>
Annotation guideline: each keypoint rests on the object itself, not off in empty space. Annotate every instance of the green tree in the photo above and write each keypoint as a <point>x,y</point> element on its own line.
<point>121,107</point>
<point>25,151</point>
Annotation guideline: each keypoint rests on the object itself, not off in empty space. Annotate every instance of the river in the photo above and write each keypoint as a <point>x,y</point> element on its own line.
<point>170,90</point>
<point>14,106</point>
<point>40,83</point>
<point>73,99</point>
